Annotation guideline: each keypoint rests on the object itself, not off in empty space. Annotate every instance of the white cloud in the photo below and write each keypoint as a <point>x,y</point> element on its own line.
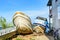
<point>33,14</point>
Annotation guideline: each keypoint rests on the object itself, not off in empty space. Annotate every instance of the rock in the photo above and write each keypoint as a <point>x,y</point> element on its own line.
<point>23,23</point>
<point>39,29</point>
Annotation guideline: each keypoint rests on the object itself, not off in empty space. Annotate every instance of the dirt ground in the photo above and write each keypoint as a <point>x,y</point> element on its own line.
<point>33,36</point>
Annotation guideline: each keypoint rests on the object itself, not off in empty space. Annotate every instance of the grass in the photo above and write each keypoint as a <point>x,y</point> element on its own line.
<point>19,39</point>
<point>32,39</point>
<point>23,39</point>
<point>4,24</point>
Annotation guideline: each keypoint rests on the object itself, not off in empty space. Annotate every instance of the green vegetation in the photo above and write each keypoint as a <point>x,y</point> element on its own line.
<point>10,25</point>
<point>4,23</point>
<point>19,39</point>
<point>24,39</point>
<point>32,39</point>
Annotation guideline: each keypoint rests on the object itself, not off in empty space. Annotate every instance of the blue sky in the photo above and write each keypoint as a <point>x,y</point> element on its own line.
<point>32,8</point>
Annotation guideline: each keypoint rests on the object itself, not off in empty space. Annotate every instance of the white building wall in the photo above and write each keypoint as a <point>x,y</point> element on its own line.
<point>59,26</point>
<point>58,2</point>
<point>54,14</point>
